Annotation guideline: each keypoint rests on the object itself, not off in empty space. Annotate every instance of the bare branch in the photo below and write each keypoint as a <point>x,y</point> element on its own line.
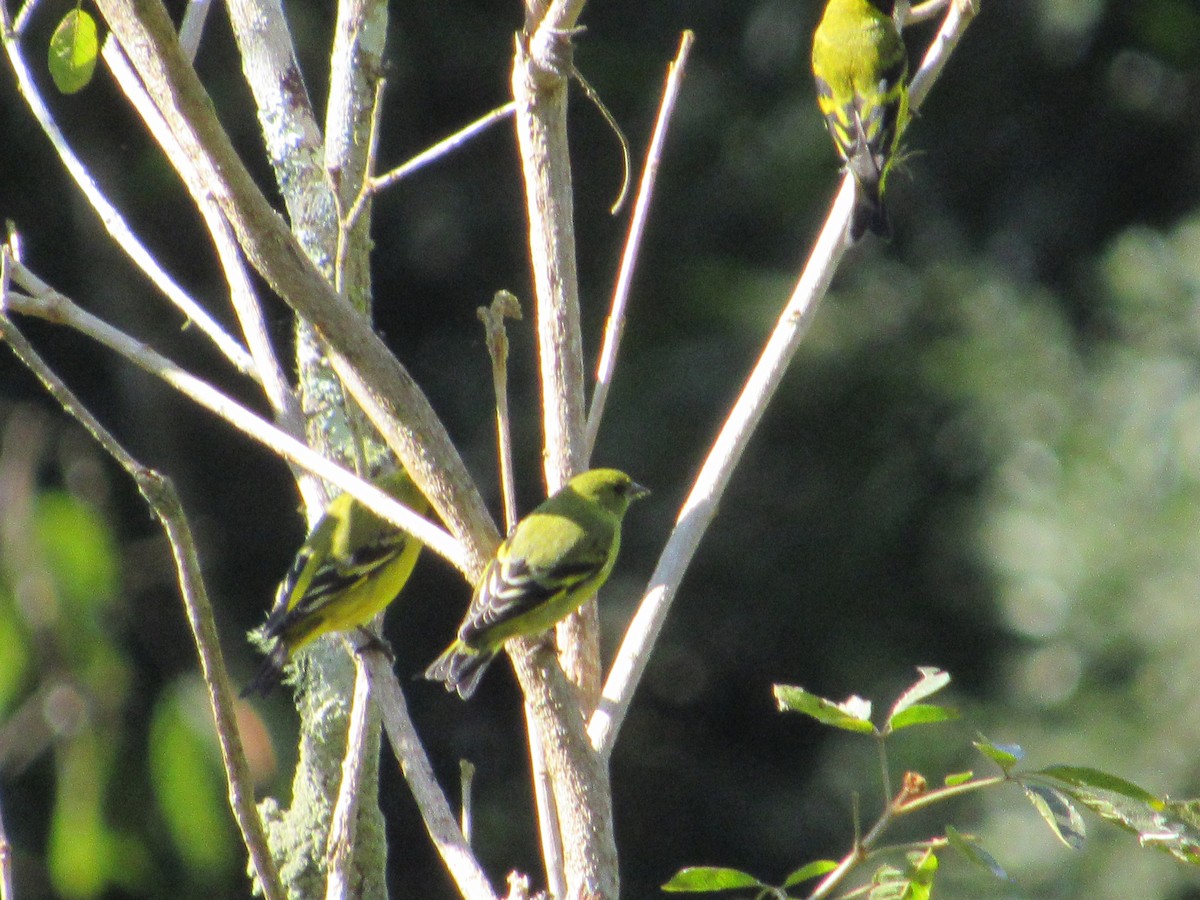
<point>701,504</point>
<point>414,764</point>
<point>111,218</point>
<point>241,290</point>
<point>615,326</point>
<point>958,17</point>
<point>540,92</point>
<point>339,843</point>
<point>922,12</point>
<point>539,81</point>
<point>382,386</point>
<point>6,884</point>
<point>160,495</point>
<point>505,305</point>
<point>442,147</point>
<point>50,305</point>
<point>193,27</point>
<point>23,14</point>
<point>582,790</point>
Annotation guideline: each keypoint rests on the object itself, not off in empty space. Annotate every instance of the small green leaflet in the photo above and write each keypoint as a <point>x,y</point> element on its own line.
<point>970,848</point>
<point>703,879</point>
<point>931,681</point>
<point>812,870</point>
<point>73,51</point>
<point>1085,777</point>
<point>1158,823</point>
<point>920,714</point>
<point>1059,812</point>
<point>915,883</point>
<point>1004,755</point>
<point>852,714</point>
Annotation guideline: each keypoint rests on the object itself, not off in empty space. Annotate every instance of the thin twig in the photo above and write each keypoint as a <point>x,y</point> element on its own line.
<point>442,147</point>
<point>886,775</point>
<point>583,793</point>
<point>50,305</point>
<point>160,495</point>
<point>701,504</point>
<point>22,18</point>
<point>466,800</point>
<point>439,820</point>
<point>111,218</point>
<point>549,829</point>
<point>6,884</point>
<point>339,844</point>
<point>193,27</point>
<point>505,305</point>
<point>615,326</point>
<point>382,386</point>
<point>893,808</point>
<point>957,19</point>
<point>348,219</point>
<point>923,12</point>
<point>611,121</point>
<point>241,290</point>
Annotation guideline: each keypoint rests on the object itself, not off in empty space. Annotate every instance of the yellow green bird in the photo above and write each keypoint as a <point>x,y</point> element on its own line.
<point>557,557</point>
<point>860,66</point>
<point>350,567</point>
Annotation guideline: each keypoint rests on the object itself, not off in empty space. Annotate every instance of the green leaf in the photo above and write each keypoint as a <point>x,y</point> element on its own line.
<point>957,778</point>
<point>189,783</point>
<point>1004,755</point>
<point>81,550</point>
<point>73,51</point>
<point>814,869</point>
<point>913,883</point>
<point>923,867</point>
<point>852,714</point>
<point>920,714</point>
<point>16,651</point>
<point>1058,811</point>
<point>888,883</point>
<point>698,879</point>
<point>1162,825</point>
<point>1187,811</point>
<point>1185,814</point>
<point>931,681</point>
<point>970,848</point>
<point>1085,777</point>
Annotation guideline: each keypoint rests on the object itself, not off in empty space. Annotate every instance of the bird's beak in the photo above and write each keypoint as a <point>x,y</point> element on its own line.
<point>637,491</point>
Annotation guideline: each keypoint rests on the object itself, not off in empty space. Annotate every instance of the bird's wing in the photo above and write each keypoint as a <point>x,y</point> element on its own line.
<point>514,586</point>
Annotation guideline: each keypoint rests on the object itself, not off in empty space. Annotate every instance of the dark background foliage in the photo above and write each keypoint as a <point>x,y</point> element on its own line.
<point>985,456</point>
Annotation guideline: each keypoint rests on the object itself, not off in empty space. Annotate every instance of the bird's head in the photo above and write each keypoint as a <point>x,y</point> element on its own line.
<point>610,488</point>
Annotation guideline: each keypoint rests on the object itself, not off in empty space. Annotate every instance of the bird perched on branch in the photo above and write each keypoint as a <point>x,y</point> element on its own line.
<point>351,566</point>
<point>860,65</point>
<point>556,558</point>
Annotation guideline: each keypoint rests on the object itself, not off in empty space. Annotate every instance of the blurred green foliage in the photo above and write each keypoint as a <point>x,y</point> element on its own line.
<point>189,783</point>
<point>70,733</point>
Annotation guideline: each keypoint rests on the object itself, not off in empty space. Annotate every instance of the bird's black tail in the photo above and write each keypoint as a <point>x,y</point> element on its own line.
<point>460,668</point>
<point>269,674</point>
<point>869,212</point>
